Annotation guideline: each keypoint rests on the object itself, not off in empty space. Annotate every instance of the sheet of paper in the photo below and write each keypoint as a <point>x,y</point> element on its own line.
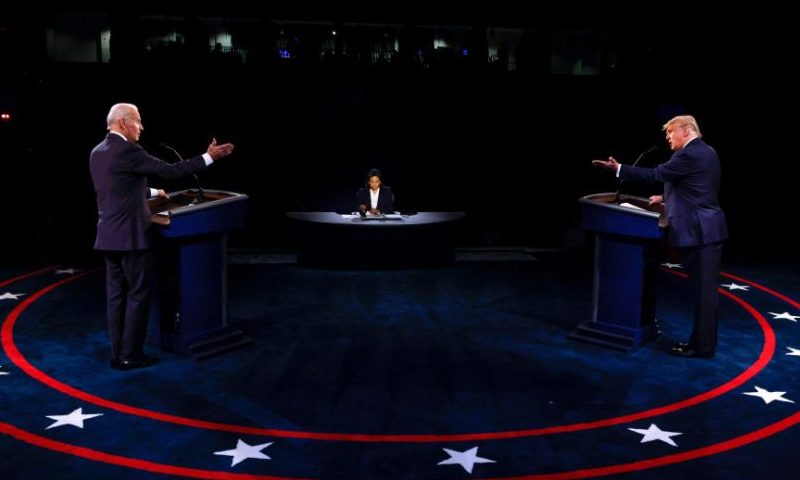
<point>630,205</point>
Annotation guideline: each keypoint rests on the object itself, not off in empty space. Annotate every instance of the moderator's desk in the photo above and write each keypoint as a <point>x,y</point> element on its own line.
<point>330,239</point>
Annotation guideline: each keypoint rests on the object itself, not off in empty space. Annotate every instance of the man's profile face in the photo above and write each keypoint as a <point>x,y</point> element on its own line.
<point>676,136</point>
<point>132,126</point>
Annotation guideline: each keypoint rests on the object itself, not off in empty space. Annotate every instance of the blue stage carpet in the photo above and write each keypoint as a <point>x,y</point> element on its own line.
<point>450,373</point>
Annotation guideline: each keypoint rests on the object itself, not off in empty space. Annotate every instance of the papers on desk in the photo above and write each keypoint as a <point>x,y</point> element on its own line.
<point>164,213</point>
<point>369,216</point>
<point>630,205</point>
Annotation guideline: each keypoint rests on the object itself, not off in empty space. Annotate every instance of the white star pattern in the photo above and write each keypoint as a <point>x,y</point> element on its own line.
<point>734,286</point>
<point>243,451</point>
<point>785,315</point>
<point>67,271</point>
<point>768,396</point>
<point>75,418</point>
<point>671,265</point>
<point>467,459</point>
<point>653,433</point>
<point>11,296</point>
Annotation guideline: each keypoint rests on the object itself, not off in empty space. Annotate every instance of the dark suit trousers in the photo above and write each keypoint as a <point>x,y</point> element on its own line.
<point>703,264</point>
<point>128,278</point>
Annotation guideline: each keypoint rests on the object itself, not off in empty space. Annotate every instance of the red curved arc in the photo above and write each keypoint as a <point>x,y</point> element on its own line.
<point>24,276</point>
<point>770,291</point>
<point>135,463</point>
<point>14,354</point>
<point>764,432</point>
<point>764,289</point>
<point>709,450</point>
<point>714,449</point>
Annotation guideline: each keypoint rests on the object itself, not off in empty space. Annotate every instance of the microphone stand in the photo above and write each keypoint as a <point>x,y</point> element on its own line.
<point>201,197</point>
<point>619,187</point>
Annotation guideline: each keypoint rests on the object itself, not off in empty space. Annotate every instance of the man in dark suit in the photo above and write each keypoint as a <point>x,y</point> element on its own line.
<point>697,224</point>
<point>375,197</point>
<point>119,169</point>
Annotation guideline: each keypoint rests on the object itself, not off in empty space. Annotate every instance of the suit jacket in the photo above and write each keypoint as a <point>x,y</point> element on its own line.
<point>691,189</point>
<point>385,199</point>
<point>119,172</point>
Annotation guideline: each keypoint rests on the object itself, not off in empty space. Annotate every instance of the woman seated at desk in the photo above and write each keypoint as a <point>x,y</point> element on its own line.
<point>375,198</point>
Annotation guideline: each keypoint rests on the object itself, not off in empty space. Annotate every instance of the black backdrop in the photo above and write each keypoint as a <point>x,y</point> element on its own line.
<point>512,149</point>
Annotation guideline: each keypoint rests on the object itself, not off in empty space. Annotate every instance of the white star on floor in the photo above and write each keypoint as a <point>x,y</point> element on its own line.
<point>75,418</point>
<point>671,265</point>
<point>733,286</point>
<point>466,459</point>
<point>68,271</point>
<point>243,451</point>
<point>768,396</point>
<point>785,315</point>
<point>11,296</point>
<point>3,373</point>
<point>794,351</point>
<point>653,433</point>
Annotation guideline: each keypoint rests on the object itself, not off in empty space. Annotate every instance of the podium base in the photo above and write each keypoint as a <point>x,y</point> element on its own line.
<point>206,344</point>
<point>614,336</point>
<point>223,342</point>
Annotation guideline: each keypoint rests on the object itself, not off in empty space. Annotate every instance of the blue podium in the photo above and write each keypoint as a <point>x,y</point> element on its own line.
<point>626,231</point>
<point>191,267</point>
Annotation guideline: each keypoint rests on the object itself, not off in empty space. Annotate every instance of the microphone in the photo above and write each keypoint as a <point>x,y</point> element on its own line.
<point>201,197</point>
<point>651,149</point>
<point>619,187</point>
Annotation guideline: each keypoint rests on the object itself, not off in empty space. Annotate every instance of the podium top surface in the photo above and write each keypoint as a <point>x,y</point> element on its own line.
<point>623,215</point>
<point>187,201</point>
<point>391,220</point>
<point>627,204</point>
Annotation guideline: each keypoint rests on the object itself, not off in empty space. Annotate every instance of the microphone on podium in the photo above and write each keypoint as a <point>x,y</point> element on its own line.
<point>651,149</point>
<point>201,197</point>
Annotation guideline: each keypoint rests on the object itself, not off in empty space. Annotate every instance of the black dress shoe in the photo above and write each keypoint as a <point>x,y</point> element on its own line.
<point>687,351</point>
<point>134,363</point>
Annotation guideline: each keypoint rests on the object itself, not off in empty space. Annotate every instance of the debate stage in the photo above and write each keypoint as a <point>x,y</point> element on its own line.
<point>462,371</point>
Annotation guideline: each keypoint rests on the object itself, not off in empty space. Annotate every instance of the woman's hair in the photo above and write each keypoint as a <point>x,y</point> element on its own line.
<point>374,172</point>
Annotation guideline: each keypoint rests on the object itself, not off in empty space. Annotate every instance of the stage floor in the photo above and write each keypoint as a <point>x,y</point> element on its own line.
<point>454,372</point>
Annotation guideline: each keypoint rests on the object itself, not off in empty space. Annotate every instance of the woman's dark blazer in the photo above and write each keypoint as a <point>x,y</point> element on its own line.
<point>385,199</point>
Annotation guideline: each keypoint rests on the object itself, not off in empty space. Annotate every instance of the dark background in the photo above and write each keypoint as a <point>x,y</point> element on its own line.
<point>510,147</point>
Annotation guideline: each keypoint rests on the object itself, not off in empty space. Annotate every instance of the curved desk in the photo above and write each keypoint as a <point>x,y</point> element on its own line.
<point>331,239</point>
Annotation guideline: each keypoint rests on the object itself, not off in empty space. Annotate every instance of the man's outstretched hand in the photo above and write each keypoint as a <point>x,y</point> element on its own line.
<point>219,151</point>
<point>610,164</point>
